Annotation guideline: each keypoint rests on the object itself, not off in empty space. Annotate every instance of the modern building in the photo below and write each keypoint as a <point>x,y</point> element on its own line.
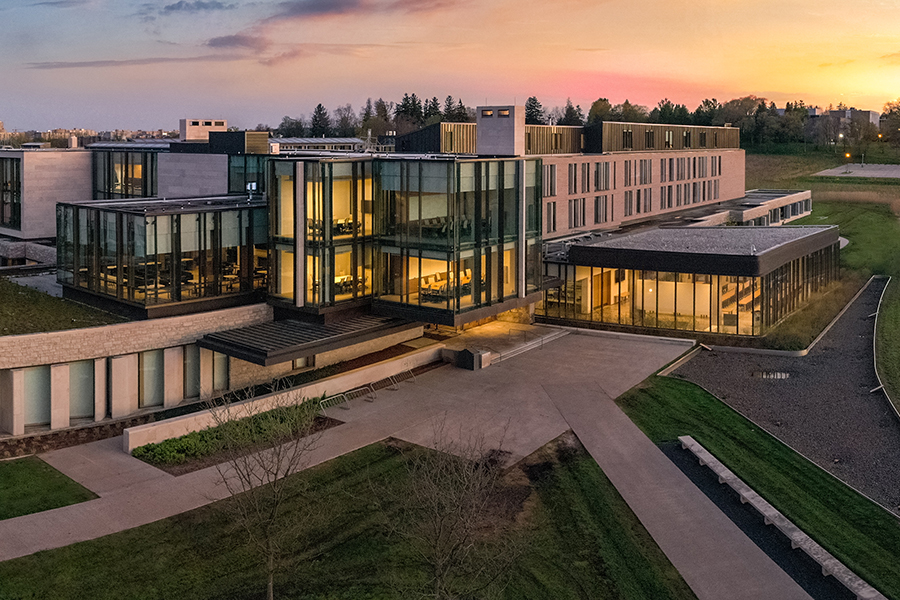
<point>722,280</point>
<point>198,130</point>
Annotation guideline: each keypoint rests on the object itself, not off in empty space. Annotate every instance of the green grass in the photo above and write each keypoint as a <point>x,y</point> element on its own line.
<point>858,532</point>
<point>582,542</point>
<point>25,310</point>
<point>29,485</point>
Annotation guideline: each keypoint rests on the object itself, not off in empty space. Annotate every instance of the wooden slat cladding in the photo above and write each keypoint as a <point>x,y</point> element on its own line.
<point>458,138</point>
<point>640,137</point>
<point>439,138</point>
<point>256,142</point>
<point>553,139</point>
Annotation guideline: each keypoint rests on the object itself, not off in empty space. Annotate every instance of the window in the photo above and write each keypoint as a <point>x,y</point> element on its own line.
<point>551,217</point>
<point>680,172</point>
<point>637,203</point>
<point>207,123</point>
<point>627,173</point>
<point>715,189</point>
<point>628,139</point>
<point>601,206</point>
<point>220,372</point>
<point>503,112</point>
<point>576,213</point>
<point>601,177</point>
<point>703,139</point>
<point>648,200</point>
<point>695,193</point>
<point>646,172</point>
<point>220,123</point>
<point>487,113</point>
<point>151,378</point>
<point>192,371</point>
<point>662,170</point>
<point>687,139</point>
<point>677,195</point>
<point>629,203</point>
<point>548,180</point>
<point>669,197</point>
<point>695,167</point>
<point>701,166</point>
<point>650,139</point>
<point>670,139</point>
<point>11,193</point>
<point>585,178</point>
<point>307,362</point>
<point>195,123</point>
<point>573,178</point>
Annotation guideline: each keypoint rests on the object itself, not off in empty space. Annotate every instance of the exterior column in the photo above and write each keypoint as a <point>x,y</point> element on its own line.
<point>59,396</point>
<point>520,275</point>
<point>123,392</point>
<point>300,233</point>
<point>206,373</point>
<point>173,361</point>
<point>99,389</point>
<point>12,401</point>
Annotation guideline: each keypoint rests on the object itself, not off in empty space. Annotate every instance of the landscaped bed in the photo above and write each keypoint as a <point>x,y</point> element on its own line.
<point>29,485</point>
<point>857,531</point>
<point>581,541</point>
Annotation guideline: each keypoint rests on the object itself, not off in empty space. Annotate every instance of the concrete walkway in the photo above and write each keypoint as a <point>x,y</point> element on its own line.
<point>523,402</point>
<point>859,170</point>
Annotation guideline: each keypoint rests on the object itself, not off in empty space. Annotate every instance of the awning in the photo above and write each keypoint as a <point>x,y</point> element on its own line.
<point>277,342</point>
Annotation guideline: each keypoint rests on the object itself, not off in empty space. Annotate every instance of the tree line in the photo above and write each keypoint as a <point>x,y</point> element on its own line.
<point>376,117</point>
<point>760,121</point>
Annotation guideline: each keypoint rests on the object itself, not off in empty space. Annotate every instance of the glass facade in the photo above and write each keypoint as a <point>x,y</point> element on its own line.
<point>726,304</point>
<point>450,233</point>
<point>244,169</point>
<point>11,192</point>
<point>120,174</point>
<point>150,259</point>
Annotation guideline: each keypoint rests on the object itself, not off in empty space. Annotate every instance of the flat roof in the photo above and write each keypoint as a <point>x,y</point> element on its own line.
<point>736,241</point>
<point>166,206</point>
<point>309,140</point>
<point>148,145</point>
<point>744,251</point>
<point>278,342</point>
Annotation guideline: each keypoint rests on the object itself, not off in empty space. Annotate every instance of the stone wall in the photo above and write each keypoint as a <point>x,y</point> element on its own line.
<point>242,373</point>
<point>185,175</point>
<point>19,351</point>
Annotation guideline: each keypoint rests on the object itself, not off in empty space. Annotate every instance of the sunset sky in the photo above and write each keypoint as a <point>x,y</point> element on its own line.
<point>107,64</point>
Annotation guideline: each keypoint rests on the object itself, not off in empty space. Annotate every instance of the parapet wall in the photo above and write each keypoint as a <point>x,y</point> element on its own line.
<point>20,351</point>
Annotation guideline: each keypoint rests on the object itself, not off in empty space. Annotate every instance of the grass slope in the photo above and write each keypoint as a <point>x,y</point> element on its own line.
<point>582,542</point>
<point>29,485</point>
<point>24,310</point>
<point>860,533</point>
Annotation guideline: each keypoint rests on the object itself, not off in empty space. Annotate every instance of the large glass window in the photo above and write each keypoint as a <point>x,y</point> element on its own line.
<point>151,378</point>
<point>81,389</point>
<point>11,192</point>
<point>124,174</point>
<point>37,395</point>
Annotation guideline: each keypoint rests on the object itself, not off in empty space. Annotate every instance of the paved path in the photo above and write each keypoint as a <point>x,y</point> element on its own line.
<point>525,401</point>
<point>858,170</point>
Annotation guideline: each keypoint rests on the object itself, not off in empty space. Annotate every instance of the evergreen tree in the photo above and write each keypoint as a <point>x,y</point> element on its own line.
<point>707,112</point>
<point>291,127</point>
<point>320,123</point>
<point>449,106</point>
<point>572,115</point>
<point>534,112</point>
<point>432,111</point>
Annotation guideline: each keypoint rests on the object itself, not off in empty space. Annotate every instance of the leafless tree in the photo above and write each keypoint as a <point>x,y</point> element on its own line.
<point>455,518</point>
<point>260,448</point>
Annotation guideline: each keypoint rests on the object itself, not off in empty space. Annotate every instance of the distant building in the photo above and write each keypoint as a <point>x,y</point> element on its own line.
<point>197,130</point>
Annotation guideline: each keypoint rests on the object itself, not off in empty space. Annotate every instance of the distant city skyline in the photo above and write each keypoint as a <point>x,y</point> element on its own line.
<point>105,65</point>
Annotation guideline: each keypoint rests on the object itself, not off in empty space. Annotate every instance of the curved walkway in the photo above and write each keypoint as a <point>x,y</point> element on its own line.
<point>823,408</point>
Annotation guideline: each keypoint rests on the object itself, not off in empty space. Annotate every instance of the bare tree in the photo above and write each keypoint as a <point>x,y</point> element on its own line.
<point>454,516</point>
<point>261,447</point>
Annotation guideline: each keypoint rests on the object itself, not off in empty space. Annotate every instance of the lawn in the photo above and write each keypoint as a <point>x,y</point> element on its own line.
<point>860,533</point>
<point>24,310</point>
<point>29,485</point>
<point>582,541</point>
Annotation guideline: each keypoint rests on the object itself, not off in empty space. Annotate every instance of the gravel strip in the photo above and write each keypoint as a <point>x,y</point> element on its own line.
<point>822,406</point>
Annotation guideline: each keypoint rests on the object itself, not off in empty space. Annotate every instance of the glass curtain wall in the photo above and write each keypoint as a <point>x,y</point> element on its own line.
<point>246,169</point>
<point>158,259</point>
<point>727,304</point>
<point>449,232</point>
<point>11,192</point>
<point>124,174</point>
